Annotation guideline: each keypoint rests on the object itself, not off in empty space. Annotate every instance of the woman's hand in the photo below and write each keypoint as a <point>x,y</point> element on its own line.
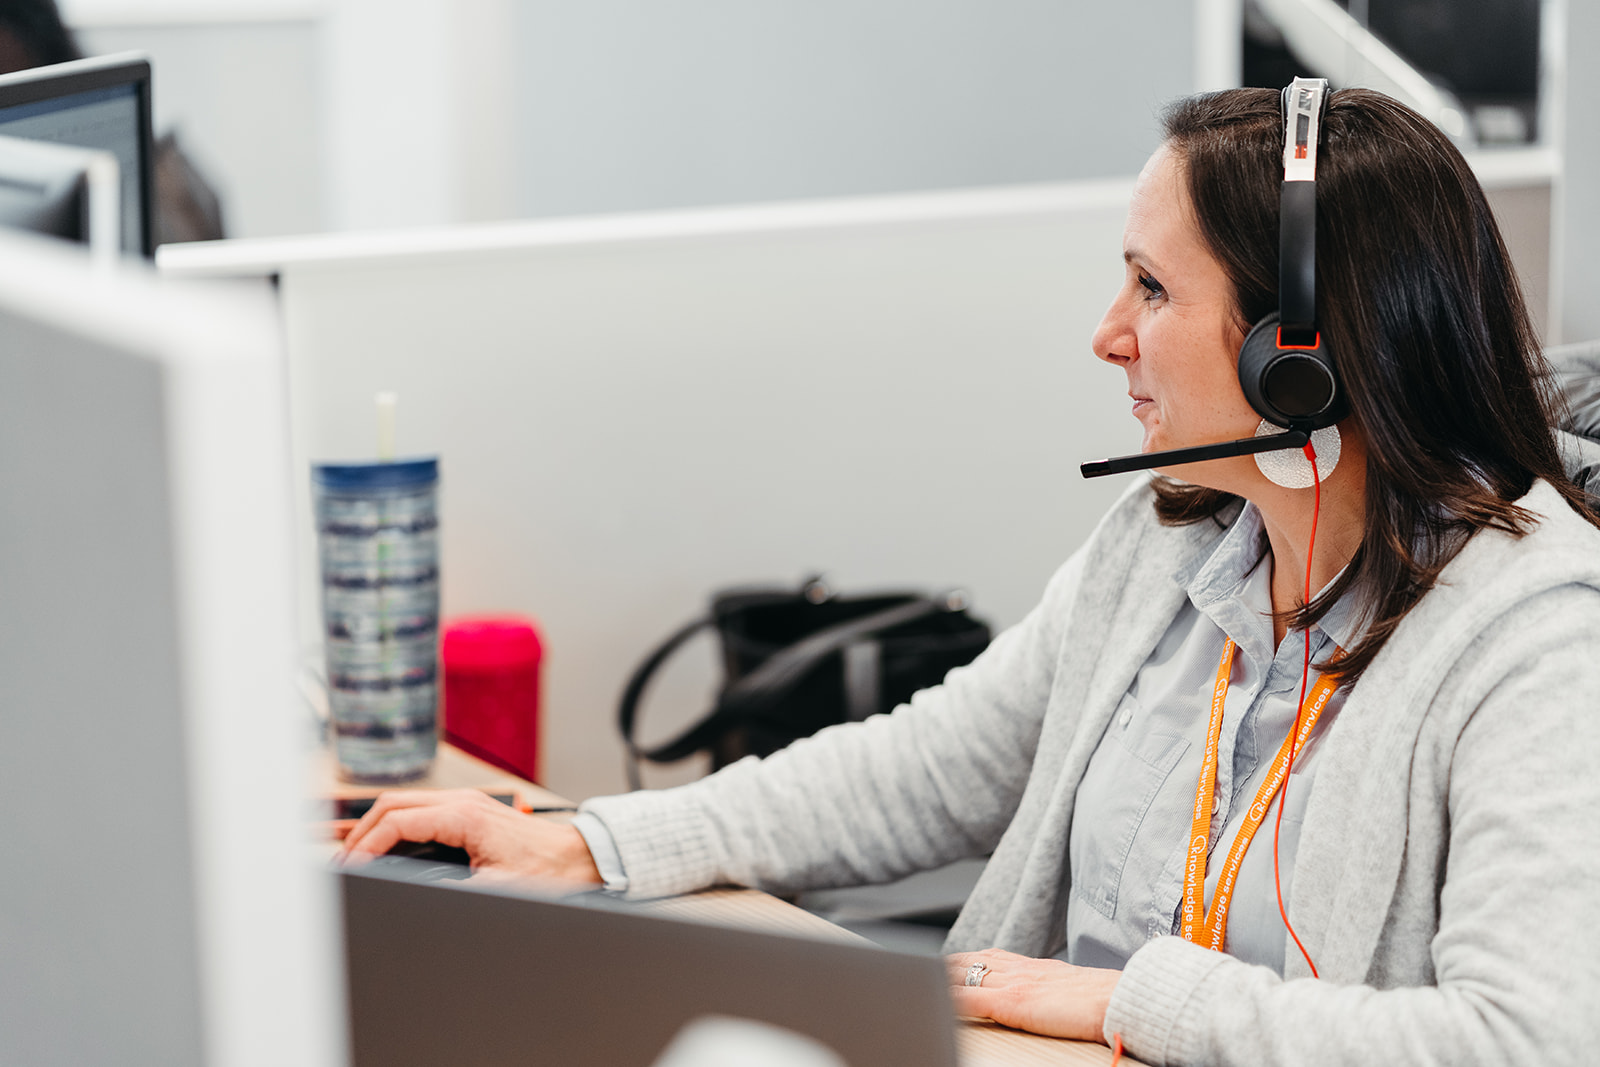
<point>1040,996</point>
<point>496,836</point>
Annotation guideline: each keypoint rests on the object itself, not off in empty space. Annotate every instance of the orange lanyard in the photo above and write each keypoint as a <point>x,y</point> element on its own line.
<point>1210,927</point>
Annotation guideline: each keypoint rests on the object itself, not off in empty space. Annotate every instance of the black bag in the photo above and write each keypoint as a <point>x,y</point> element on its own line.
<point>795,661</point>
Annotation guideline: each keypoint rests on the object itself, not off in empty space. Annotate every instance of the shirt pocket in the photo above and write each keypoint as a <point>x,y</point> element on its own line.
<point>1124,775</point>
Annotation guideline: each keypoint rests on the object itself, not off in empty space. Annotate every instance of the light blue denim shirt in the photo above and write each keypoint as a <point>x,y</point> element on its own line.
<point>1131,819</point>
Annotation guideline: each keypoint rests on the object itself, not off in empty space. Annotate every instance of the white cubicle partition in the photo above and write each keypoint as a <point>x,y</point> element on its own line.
<point>635,411</point>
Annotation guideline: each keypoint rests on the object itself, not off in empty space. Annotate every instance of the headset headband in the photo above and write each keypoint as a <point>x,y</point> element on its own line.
<point>1304,102</point>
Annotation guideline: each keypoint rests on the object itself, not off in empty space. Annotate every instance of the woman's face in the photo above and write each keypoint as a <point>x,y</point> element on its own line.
<point>1172,329</point>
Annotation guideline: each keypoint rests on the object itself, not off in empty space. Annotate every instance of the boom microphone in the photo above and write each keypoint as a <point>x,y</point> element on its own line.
<point>1248,446</point>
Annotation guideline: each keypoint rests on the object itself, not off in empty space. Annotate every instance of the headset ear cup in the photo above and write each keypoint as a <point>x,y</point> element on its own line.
<point>1297,388</point>
<point>1256,357</point>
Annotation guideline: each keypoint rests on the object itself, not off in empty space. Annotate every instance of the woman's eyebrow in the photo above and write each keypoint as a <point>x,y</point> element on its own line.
<point>1137,256</point>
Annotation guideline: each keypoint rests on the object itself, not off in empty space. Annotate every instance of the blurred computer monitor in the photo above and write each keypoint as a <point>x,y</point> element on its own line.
<point>157,900</point>
<point>61,191</point>
<point>101,103</point>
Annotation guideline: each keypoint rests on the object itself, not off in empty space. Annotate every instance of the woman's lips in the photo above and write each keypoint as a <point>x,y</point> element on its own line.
<point>1139,402</point>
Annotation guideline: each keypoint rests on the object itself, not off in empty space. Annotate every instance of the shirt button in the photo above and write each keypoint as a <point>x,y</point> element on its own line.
<point>1127,717</point>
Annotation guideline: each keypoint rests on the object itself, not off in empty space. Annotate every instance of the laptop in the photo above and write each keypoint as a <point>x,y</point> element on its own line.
<point>450,972</point>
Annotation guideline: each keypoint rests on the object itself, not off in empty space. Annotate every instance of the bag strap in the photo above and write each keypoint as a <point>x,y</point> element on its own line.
<point>759,689</point>
<point>628,709</point>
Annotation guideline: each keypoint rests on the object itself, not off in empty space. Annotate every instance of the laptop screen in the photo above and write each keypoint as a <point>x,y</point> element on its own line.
<point>453,973</point>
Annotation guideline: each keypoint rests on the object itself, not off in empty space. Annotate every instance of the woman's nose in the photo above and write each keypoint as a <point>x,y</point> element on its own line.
<point>1114,340</point>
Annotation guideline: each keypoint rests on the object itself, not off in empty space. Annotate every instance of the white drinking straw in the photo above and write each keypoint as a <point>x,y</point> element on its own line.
<point>385,403</point>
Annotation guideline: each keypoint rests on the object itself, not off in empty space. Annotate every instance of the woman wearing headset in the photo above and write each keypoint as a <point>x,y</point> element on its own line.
<point>1328,715</point>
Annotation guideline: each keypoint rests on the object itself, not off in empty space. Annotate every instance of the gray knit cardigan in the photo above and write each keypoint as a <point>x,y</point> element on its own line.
<point>1449,862</point>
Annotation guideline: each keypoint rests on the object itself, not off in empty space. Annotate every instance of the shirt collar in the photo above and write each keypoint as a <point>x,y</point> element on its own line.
<point>1219,573</point>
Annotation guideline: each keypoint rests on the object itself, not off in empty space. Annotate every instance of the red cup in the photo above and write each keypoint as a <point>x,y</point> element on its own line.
<point>491,690</point>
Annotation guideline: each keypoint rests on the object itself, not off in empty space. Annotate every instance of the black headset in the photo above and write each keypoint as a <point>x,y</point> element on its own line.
<point>1286,371</point>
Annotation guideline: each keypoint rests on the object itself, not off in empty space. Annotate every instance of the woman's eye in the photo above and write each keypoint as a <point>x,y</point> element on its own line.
<point>1152,287</point>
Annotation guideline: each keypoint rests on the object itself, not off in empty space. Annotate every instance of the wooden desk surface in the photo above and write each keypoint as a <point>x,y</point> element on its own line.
<point>453,769</point>
<point>979,1043</point>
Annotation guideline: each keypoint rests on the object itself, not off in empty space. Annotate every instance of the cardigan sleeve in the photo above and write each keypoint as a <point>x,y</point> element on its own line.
<point>934,781</point>
<point>1516,954</point>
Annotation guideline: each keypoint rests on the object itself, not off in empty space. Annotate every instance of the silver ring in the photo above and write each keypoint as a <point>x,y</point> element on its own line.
<point>976,973</point>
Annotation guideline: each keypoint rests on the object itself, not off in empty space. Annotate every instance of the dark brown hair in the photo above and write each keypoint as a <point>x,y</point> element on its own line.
<point>35,28</point>
<point>1419,303</point>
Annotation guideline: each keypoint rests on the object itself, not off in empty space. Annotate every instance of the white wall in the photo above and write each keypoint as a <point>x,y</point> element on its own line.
<point>372,114</point>
<point>418,105</point>
<point>482,109</point>
<point>626,106</point>
<point>1577,210</point>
